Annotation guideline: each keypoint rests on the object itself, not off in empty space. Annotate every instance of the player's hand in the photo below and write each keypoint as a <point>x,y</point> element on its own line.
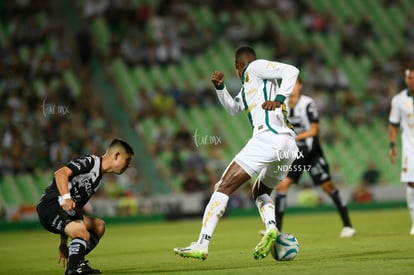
<point>68,205</point>
<point>271,105</point>
<point>63,254</point>
<point>393,154</point>
<point>217,78</point>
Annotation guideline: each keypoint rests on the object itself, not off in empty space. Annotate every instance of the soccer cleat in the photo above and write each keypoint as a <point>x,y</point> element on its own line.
<point>262,249</point>
<point>347,232</point>
<point>194,250</point>
<point>412,230</point>
<point>81,268</point>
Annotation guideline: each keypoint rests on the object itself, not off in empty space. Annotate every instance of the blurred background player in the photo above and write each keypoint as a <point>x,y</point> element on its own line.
<point>402,116</point>
<point>272,137</point>
<point>60,207</point>
<point>304,116</point>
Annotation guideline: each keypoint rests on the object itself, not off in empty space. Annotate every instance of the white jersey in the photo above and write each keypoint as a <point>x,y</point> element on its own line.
<point>402,114</point>
<point>260,84</point>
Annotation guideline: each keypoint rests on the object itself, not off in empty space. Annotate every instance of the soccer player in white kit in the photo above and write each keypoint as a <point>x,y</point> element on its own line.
<point>273,143</point>
<point>402,116</point>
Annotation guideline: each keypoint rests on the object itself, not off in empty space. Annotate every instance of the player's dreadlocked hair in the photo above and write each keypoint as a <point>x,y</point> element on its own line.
<point>123,144</point>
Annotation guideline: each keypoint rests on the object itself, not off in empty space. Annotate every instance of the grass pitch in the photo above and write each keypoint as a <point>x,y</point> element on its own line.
<point>382,245</point>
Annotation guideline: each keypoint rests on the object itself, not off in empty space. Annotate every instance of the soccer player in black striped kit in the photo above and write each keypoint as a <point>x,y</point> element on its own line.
<point>304,116</point>
<point>60,207</point>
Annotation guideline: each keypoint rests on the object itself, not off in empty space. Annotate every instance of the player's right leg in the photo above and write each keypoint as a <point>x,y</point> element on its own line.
<point>96,229</point>
<point>233,177</point>
<point>329,188</point>
<point>321,176</point>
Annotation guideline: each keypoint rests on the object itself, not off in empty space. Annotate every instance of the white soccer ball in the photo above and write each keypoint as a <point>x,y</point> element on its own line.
<point>285,248</point>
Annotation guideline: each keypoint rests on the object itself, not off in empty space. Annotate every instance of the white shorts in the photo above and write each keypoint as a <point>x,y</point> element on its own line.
<point>269,154</point>
<point>407,166</point>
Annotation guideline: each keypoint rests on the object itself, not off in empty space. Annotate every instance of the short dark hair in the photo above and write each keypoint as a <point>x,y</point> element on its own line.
<point>245,50</point>
<point>123,144</point>
<point>409,68</point>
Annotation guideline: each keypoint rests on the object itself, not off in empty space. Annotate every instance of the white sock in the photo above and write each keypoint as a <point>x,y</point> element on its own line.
<point>266,209</point>
<point>212,214</point>
<point>410,202</point>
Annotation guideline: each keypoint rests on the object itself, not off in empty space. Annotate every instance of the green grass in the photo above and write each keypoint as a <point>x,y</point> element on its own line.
<point>382,246</point>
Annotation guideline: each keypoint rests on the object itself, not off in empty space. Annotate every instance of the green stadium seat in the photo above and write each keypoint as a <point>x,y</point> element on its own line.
<point>101,34</point>
<point>10,192</point>
<point>125,82</point>
<point>159,77</point>
<point>27,189</point>
<point>4,35</point>
<point>141,79</point>
<point>257,19</point>
<point>72,81</point>
<point>407,6</point>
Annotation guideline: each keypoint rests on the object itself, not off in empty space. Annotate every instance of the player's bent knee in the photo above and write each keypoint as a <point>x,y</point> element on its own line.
<point>328,187</point>
<point>100,228</point>
<point>282,187</point>
<point>77,229</point>
<point>95,225</point>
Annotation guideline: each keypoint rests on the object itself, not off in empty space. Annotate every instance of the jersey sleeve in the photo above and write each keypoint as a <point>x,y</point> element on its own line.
<point>266,69</point>
<point>81,165</point>
<point>395,116</point>
<point>312,112</point>
<point>231,105</point>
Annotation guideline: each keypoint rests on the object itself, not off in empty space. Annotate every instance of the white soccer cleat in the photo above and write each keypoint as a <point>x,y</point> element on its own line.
<point>412,230</point>
<point>347,232</point>
<point>194,250</point>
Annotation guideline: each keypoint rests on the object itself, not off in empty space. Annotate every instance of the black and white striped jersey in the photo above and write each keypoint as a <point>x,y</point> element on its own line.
<point>301,116</point>
<point>84,182</point>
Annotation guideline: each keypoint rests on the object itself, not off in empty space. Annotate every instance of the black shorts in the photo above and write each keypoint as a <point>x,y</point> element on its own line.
<point>313,162</point>
<point>53,218</point>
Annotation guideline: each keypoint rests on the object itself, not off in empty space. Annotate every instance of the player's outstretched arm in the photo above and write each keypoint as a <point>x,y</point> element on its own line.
<point>232,105</point>
<point>217,78</point>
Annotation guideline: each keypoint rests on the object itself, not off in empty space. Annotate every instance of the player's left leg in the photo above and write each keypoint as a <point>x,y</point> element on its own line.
<point>261,194</point>
<point>96,229</point>
<point>407,176</point>
<point>410,203</point>
<point>268,178</point>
